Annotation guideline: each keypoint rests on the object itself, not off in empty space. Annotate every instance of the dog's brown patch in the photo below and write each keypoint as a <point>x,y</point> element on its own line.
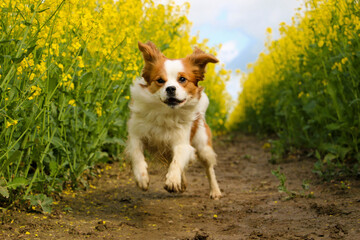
<point>154,66</point>
<point>190,85</point>
<point>208,133</point>
<point>194,127</point>
<point>196,63</point>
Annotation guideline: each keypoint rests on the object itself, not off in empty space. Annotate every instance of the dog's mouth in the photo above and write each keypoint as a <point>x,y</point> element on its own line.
<point>172,102</point>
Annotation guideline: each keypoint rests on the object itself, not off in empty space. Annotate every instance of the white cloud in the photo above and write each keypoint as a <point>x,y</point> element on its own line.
<point>240,26</point>
<point>228,52</point>
<point>252,16</point>
<point>233,86</point>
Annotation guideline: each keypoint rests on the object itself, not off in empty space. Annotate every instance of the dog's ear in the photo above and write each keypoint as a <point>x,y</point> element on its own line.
<point>149,51</point>
<point>199,59</point>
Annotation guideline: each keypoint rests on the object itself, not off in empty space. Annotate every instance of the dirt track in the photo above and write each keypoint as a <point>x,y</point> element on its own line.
<point>252,207</point>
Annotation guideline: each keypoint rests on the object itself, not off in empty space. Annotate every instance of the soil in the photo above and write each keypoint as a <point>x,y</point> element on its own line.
<point>251,208</point>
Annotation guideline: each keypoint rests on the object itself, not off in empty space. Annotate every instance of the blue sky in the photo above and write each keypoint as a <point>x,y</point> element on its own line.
<point>240,26</point>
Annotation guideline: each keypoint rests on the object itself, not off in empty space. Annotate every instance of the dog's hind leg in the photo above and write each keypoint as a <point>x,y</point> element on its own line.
<point>202,143</point>
<point>208,158</point>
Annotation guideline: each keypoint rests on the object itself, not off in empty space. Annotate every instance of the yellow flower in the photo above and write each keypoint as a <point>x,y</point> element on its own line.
<point>98,109</point>
<point>35,92</point>
<point>338,66</point>
<point>11,123</point>
<point>72,102</point>
<point>266,145</point>
<point>19,70</point>
<point>61,66</point>
<point>321,43</point>
<point>71,86</point>
<point>344,60</point>
<point>31,62</point>
<point>81,62</point>
<point>32,76</point>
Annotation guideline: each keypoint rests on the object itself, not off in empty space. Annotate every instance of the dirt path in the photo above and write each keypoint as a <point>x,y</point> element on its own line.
<point>252,207</point>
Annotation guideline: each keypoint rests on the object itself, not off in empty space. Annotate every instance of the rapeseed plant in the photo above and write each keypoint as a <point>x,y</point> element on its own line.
<point>65,71</point>
<point>305,86</point>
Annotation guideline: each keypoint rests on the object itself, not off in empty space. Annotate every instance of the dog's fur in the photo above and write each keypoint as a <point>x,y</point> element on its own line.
<point>168,117</point>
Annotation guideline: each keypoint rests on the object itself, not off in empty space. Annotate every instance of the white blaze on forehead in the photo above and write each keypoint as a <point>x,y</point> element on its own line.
<point>172,68</point>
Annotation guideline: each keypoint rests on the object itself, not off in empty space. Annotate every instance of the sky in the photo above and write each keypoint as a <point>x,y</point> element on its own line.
<point>240,26</point>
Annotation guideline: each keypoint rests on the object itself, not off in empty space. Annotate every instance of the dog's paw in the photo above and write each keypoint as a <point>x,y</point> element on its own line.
<point>173,182</point>
<point>142,178</point>
<point>215,194</point>
<point>143,182</point>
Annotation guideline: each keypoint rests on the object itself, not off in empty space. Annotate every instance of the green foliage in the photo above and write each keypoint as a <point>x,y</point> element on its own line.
<point>305,88</point>
<point>282,187</point>
<point>65,72</point>
<point>41,200</point>
<point>291,194</point>
<point>277,151</point>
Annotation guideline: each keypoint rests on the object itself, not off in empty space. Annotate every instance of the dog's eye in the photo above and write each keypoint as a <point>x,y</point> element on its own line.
<point>160,80</point>
<point>182,79</point>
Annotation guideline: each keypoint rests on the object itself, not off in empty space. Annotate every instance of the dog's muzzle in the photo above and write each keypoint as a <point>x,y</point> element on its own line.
<point>172,101</point>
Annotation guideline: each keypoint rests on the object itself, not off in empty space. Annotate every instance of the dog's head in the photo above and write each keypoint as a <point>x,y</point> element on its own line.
<point>173,81</point>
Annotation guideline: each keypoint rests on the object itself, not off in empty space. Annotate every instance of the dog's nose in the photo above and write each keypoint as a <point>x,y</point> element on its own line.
<point>170,90</point>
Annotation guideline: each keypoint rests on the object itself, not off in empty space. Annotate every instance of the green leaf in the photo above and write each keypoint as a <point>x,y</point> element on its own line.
<point>43,10</point>
<point>53,168</point>
<point>354,101</point>
<point>118,141</point>
<point>86,76</point>
<point>17,182</point>
<point>91,116</point>
<point>4,191</point>
<point>13,158</point>
<point>57,142</point>
<point>164,47</point>
<point>42,200</point>
<point>19,59</point>
<point>309,107</point>
<point>335,126</point>
<point>329,157</point>
<point>10,40</point>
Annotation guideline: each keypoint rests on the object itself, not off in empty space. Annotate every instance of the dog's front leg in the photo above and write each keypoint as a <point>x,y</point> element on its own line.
<point>182,153</point>
<point>134,150</point>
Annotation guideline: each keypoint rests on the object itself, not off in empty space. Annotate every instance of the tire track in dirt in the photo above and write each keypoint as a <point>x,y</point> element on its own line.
<point>252,207</point>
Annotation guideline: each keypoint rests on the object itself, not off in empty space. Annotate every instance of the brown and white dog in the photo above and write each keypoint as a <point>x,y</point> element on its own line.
<point>168,116</point>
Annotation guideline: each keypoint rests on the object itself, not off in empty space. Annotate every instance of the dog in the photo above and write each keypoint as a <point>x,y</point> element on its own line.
<point>167,116</point>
